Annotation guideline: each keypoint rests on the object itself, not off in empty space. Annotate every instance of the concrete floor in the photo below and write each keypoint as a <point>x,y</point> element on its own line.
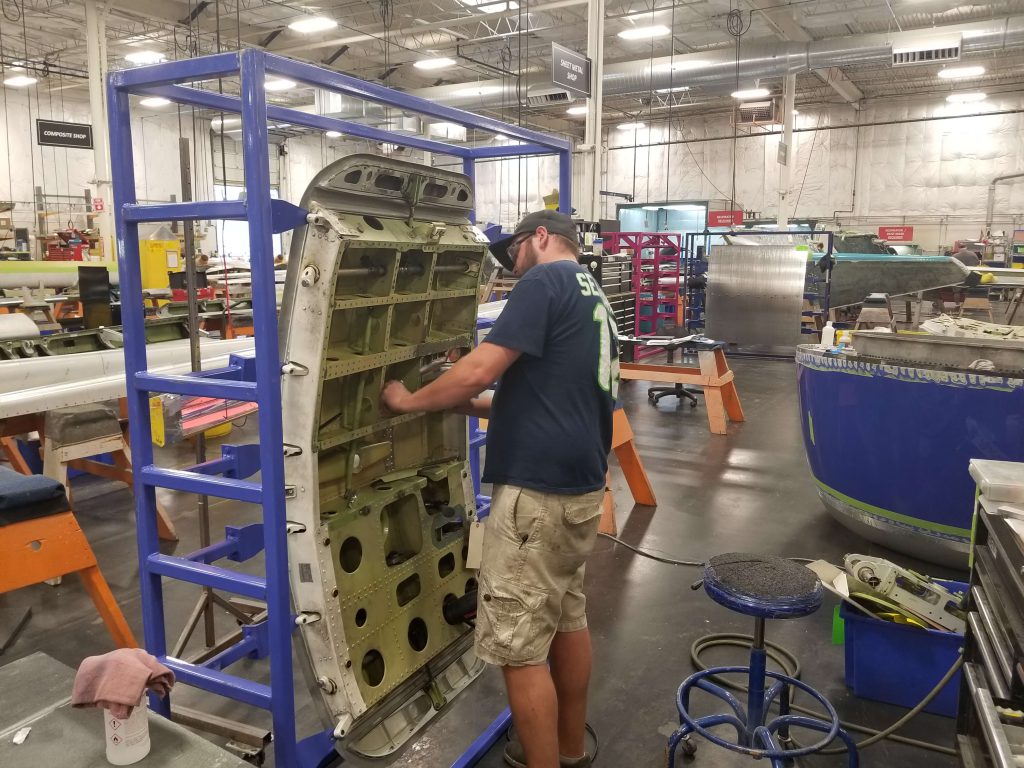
<point>747,491</point>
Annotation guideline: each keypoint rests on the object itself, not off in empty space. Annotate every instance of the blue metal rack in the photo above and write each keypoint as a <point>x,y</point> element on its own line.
<point>256,379</point>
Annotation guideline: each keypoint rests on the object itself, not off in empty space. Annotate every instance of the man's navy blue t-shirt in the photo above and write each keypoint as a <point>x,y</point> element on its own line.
<point>551,417</point>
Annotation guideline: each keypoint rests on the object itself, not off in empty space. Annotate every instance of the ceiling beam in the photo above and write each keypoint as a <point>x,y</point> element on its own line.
<point>841,84</point>
<point>787,27</point>
<point>176,13</point>
<point>380,30</point>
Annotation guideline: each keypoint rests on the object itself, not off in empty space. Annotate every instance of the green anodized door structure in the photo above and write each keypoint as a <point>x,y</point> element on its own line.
<point>382,284</point>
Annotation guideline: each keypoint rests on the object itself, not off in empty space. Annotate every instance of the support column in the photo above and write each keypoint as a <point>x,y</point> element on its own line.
<point>95,27</point>
<point>590,197</point>
<point>785,171</point>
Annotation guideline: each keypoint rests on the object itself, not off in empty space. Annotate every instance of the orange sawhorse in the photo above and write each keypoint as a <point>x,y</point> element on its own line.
<point>50,546</point>
<point>713,375</point>
<point>632,468</point>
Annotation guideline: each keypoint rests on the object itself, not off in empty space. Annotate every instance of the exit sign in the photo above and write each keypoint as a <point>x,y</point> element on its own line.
<point>725,218</point>
<point>896,234</point>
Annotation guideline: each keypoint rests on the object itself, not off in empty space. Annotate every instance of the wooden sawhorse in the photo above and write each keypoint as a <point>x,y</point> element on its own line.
<point>42,541</point>
<point>713,375</point>
<point>59,461</point>
<point>632,468</point>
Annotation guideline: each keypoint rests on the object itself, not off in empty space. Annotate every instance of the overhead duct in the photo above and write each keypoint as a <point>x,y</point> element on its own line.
<point>717,70</point>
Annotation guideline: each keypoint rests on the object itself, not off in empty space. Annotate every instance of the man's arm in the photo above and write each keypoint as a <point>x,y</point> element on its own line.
<point>470,376</point>
<point>480,407</point>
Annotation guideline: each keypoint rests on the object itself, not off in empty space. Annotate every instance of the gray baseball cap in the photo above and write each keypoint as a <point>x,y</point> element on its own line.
<point>554,222</point>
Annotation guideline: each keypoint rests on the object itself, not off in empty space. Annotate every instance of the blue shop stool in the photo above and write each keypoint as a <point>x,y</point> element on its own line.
<point>764,587</point>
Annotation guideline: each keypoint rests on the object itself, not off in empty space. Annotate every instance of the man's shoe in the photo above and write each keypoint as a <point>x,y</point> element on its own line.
<point>515,756</point>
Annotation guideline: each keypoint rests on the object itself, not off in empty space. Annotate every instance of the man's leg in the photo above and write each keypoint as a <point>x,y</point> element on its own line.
<point>531,695</point>
<point>570,672</point>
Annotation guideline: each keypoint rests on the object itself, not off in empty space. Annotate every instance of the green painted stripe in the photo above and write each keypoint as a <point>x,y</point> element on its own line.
<point>810,426</point>
<point>916,522</point>
<point>51,267</point>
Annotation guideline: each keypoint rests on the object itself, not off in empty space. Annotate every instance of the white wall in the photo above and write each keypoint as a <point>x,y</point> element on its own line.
<point>24,165</point>
<point>932,174</point>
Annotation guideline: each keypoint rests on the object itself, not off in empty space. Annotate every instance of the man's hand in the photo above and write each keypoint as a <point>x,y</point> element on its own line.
<point>395,397</point>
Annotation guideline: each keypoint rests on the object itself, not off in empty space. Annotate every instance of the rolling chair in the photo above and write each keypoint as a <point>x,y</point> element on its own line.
<point>654,394</point>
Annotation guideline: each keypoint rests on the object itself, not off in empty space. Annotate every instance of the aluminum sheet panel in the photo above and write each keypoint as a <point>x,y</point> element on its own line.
<point>755,296</point>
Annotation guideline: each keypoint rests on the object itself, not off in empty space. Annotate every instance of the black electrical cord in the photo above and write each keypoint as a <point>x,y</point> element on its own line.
<point>791,666</point>
<point>672,561</point>
<point>5,5</point>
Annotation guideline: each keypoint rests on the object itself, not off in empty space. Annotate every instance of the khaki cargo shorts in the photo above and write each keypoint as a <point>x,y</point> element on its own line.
<point>531,575</point>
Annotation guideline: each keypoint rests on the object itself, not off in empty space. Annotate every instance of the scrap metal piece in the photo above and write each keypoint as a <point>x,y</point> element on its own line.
<point>379,500</point>
<point>855,276</point>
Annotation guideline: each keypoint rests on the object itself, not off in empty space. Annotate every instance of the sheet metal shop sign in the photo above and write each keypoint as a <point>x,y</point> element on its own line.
<point>725,218</point>
<point>51,133</point>
<point>896,234</point>
<point>570,70</point>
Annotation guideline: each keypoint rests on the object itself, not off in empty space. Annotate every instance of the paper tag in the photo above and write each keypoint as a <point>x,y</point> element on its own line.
<point>476,546</point>
<point>21,735</point>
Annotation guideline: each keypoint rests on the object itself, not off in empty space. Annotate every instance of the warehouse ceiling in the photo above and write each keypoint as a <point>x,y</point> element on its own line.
<point>509,41</point>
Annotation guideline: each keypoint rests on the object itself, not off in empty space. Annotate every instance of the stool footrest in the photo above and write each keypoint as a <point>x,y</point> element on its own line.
<point>756,739</point>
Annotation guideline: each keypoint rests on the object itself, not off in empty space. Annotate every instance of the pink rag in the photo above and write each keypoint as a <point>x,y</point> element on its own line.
<point>117,681</point>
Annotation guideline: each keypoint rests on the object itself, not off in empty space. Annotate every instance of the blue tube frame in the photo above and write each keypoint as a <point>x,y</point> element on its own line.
<point>272,638</point>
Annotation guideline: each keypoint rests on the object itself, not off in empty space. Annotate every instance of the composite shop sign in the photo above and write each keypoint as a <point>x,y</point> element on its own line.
<point>53,133</point>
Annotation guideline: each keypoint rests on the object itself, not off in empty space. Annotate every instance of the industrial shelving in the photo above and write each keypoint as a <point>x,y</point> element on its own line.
<point>656,272</point>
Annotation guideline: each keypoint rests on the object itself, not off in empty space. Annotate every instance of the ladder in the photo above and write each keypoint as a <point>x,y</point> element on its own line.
<point>253,378</point>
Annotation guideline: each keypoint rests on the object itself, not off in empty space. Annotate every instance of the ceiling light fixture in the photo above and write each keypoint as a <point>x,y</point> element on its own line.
<point>576,110</point>
<point>333,134</point>
<point>677,89</point>
<point>155,101</point>
<point>751,93</point>
<point>20,81</point>
<point>144,57</point>
<point>312,24</point>
<point>795,113</point>
<point>631,126</point>
<point>221,122</point>
<point>645,33</point>
<point>952,73</point>
<point>965,98</point>
<point>279,84</point>
<point>500,137</point>
<point>437,63</point>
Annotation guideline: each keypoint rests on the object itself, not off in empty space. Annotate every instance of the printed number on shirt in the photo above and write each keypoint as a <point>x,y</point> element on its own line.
<point>607,366</point>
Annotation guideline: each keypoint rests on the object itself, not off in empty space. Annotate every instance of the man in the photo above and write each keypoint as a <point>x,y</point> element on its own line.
<point>967,257</point>
<point>553,352</point>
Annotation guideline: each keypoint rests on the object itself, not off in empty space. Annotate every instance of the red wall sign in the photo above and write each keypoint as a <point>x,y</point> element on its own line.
<point>725,218</point>
<point>97,204</point>
<point>896,234</point>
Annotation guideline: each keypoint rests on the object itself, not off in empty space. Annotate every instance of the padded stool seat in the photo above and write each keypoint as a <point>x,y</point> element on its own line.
<point>762,586</point>
<point>27,497</point>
